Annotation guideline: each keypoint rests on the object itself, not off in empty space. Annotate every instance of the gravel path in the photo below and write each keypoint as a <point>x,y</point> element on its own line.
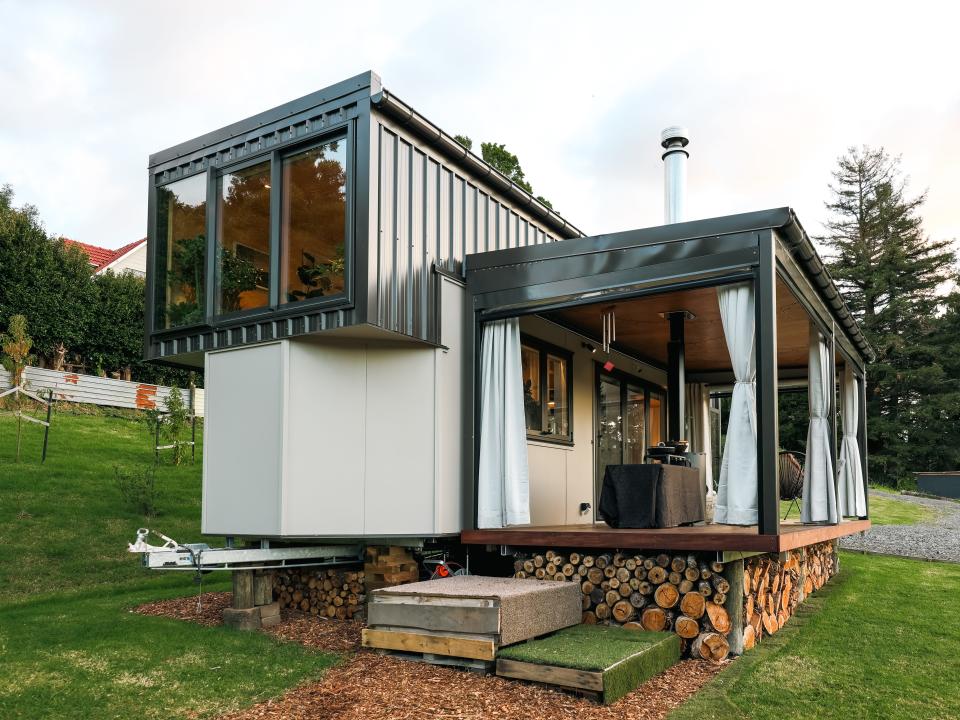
<point>938,539</point>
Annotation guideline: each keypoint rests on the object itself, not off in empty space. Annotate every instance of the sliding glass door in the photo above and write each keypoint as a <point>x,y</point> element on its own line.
<point>629,419</point>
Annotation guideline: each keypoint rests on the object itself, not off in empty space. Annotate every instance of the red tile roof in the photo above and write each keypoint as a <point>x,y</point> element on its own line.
<point>101,257</point>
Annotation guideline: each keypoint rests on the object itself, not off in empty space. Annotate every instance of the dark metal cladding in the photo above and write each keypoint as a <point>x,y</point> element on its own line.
<point>418,203</point>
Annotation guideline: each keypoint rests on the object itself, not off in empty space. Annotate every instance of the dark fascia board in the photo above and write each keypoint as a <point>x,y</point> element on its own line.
<point>694,230</point>
<point>368,82</point>
<point>444,143</point>
<point>783,220</point>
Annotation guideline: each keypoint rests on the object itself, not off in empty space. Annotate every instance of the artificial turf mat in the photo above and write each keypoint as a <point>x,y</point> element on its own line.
<point>625,658</point>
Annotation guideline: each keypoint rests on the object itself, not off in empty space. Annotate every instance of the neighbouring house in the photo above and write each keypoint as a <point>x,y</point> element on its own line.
<point>403,346</point>
<point>131,258</point>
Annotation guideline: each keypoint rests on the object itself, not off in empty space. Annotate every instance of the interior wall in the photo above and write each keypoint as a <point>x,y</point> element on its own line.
<point>561,475</point>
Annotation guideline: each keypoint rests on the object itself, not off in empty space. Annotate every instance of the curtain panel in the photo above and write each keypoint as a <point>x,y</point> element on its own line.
<point>819,502</point>
<point>737,489</point>
<point>503,493</point>
<point>849,470</point>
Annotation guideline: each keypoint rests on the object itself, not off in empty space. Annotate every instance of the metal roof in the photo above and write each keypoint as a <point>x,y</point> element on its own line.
<point>783,220</point>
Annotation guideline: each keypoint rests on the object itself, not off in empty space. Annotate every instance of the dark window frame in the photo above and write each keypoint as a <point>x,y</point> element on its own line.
<point>545,348</point>
<point>274,310</point>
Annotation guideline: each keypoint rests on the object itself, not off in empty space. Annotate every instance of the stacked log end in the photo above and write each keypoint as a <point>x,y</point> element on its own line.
<point>679,593</point>
<point>773,590</point>
<point>330,592</point>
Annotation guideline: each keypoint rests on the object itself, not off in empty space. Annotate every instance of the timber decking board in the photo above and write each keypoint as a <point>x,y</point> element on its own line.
<point>551,675</point>
<point>699,537</point>
<point>421,642</point>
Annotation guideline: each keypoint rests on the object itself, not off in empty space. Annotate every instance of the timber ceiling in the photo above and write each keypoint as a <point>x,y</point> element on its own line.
<point>643,333</point>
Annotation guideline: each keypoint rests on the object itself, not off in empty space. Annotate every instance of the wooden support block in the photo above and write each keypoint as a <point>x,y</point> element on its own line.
<point>270,621</point>
<point>262,587</point>
<point>734,605</point>
<point>473,648</point>
<point>242,619</point>
<point>270,610</point>
<point>243,589</point>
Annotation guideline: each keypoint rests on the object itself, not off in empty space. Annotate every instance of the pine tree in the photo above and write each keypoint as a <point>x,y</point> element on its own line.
<point>889,272</point>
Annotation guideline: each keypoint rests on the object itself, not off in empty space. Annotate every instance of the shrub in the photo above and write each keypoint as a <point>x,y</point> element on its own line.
<point>138,488</point>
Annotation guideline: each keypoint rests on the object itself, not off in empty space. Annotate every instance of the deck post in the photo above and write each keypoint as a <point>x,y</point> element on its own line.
<point>765,307</point>
<point>733,574</point>
<point>862,439</point>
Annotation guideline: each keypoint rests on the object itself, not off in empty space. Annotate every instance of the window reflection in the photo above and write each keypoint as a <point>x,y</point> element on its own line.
<point>530,362</point>
<point>243,239</point>
<point>313,222</point>
<point>558,414</point>
<point>181,252</point>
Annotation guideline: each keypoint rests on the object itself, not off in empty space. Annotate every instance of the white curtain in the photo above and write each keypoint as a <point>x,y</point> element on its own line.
<point>504,490</point>
<point>698,427</point>
<point>737,490</point>
<point>819,503</point>
<point>849,470</point>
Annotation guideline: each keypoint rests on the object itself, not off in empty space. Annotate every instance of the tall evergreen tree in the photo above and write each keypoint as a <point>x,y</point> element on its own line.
<point>890,272</point>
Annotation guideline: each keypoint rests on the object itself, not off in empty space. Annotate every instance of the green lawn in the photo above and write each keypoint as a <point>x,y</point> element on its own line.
<point>69,647</point>
<point>883,511</point>
<point>868,645</point>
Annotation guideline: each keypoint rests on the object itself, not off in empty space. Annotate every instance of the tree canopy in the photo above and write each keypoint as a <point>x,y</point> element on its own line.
<point>503,160</point>
<point>892,276</point>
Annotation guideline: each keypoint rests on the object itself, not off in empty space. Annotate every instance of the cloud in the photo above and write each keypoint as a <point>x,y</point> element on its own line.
<point>772,95</point>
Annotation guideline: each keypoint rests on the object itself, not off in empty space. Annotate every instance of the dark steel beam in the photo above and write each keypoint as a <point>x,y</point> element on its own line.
<point>765,305</point>
<point>832,409</point>
<point>676,377</point>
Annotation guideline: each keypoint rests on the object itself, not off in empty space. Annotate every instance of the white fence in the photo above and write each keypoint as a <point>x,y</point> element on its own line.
<point>73,387</point>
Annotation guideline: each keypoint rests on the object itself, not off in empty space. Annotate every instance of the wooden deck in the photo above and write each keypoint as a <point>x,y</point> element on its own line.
<point>699,537</point>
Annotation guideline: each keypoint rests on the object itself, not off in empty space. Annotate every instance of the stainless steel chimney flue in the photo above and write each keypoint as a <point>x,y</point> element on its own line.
<point>674,140</point>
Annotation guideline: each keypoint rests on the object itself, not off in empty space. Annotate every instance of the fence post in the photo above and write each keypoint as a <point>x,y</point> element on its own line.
<point>46,430</point>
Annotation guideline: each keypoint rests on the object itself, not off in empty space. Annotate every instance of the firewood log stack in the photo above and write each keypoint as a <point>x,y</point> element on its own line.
<point>330,592</point>
<point>772,590</point>
<point>684,594</point>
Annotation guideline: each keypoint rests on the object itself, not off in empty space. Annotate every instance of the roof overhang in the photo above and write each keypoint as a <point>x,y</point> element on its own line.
<point>597,269</point>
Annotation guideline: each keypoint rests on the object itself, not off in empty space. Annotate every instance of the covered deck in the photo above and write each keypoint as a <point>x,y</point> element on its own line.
<point>662,285</point>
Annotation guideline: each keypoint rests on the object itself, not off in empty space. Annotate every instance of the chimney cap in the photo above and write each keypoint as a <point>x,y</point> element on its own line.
<point>674,133</point>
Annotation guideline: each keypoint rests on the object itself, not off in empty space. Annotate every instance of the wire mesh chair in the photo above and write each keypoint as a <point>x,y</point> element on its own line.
<point>791,478</point>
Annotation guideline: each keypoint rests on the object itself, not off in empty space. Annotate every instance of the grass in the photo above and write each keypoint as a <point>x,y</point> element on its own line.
<point>877,642</point>
<point>626,658</point>
<point>884,511</point>
<point>69,646</point>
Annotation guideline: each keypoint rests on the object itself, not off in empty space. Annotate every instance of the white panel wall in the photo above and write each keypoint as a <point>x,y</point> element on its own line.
<point>243,441</point>
<point>451,389</point>
<point>548,483</point>
<point>325,442</point>
<point>333,440</point>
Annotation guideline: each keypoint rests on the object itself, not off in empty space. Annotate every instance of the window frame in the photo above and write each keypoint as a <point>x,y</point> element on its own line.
<point>545,348</point>
<point>626,381</point>
<point>346,132</point>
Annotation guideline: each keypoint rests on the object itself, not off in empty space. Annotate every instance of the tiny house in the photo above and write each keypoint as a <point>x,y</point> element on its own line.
<point>395,335</point>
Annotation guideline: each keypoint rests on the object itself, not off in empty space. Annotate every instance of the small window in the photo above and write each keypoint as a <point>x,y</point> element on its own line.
<point>243,239</point>
<point>313,222</point>
<point>181,253</point>
<point>547,395</point>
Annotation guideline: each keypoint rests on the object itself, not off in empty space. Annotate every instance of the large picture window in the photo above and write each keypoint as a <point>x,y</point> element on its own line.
<point>243,239</point>
<point>313,222</point>
<point>181,252</point>
<point>547,396</point>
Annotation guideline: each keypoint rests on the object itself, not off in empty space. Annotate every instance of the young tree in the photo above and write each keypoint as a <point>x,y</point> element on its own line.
<point>890,272</point>
<point>16,345</point>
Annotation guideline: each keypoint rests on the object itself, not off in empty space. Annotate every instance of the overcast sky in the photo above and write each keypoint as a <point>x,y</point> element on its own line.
<point>772,95</point>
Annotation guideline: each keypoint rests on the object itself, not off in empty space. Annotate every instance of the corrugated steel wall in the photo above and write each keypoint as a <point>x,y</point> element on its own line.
<point>430,213</point>
<point>95,390</point>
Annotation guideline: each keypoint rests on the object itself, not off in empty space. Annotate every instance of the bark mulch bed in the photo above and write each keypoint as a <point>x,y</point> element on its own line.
<point>370,686</point>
